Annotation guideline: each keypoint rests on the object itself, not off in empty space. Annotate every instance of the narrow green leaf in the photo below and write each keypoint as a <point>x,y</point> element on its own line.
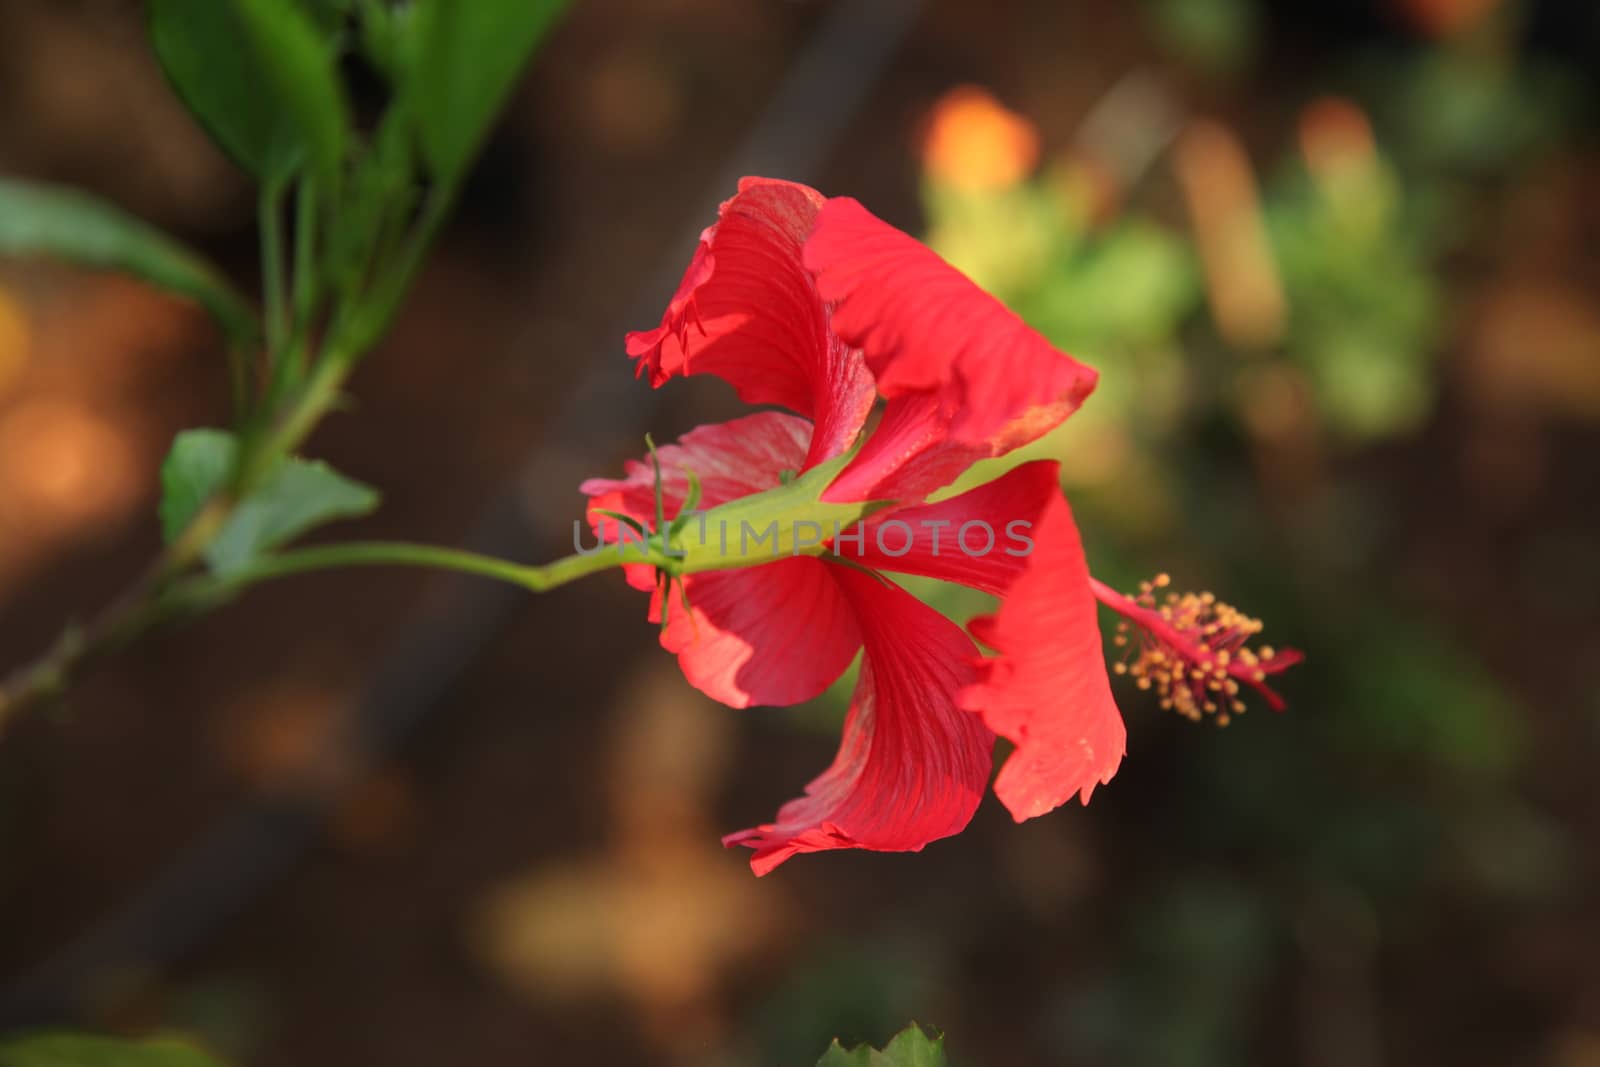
<point>301,64</point>
<point>627,520</point>
<point>204,50</point>
<point>59,1049</point>
<point>910,1048</point>
<point>42,220</point>
<point>261,77</point>
<point>295,497</point>
<point>692,499</point>
<point>465,58</point>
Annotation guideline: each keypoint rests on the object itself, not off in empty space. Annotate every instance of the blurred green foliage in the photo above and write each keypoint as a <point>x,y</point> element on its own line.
<point>1365,311</point>
<point>1214,36</point>
<point>853,990</point>
<point>85,1050</point>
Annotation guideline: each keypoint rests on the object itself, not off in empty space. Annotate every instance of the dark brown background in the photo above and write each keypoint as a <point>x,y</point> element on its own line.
<point>533,875</point>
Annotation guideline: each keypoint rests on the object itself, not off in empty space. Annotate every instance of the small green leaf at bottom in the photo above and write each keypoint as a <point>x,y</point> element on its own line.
<point>911,1047</point>
<point>295,497</point>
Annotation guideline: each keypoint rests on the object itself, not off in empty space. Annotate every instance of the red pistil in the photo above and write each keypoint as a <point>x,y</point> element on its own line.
<point>1193,650</point>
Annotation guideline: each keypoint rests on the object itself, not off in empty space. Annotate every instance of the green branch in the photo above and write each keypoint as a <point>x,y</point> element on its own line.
<point>147,607</point>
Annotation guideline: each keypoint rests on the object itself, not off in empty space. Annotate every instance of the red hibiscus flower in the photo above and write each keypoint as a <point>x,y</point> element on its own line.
<point>814,305</point>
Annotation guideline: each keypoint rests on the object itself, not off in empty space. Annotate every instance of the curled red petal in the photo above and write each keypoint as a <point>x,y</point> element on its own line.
<point>645,347</point>
<point>911,766</point>
<point>924,327</point>
<point>1047,689</point>
<point>748,312</point>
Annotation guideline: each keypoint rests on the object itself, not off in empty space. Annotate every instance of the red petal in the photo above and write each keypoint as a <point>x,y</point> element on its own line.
<point>985,379</point>
<point>776,634</point>
<point>910,453</point>
<point>732,459</point>
<point>748,312</point>
<point>983,538</point>
<point>911,766</point>
<point>1047,689</point>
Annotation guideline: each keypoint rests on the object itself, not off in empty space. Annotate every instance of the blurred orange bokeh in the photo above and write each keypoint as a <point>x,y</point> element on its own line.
<point>1445,18</point>
<point>1335,135</point>
<point>976,142</point>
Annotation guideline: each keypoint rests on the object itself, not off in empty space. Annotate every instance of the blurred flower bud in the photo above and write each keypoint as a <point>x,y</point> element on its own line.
<point>975,142</point>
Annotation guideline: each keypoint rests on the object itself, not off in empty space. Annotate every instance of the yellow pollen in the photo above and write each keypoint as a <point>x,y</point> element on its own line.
<point>1191,649</point>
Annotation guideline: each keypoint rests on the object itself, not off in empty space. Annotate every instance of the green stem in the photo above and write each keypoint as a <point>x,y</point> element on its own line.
<point>382,301</point>
<point>161,591</point>
<point>306,283</point>
<point>316,395</point>
<point>538,579</point>
<point>48,676</point>
<point>238,378</point>
<point>270,222</point>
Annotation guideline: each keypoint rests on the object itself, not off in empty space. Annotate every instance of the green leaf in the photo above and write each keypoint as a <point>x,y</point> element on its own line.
<point>330,14</point>
<point>386,36</point>
<point>48,221</point>
<point>692,499</point>
<point>197,466</point>
<point>910,1048</point>
<point>261,77</point>
<point>627,520</point>
<point>84,1050</point>
<point>301,63</point>
<point>838,1056</point>
<point>295,497</point>
<point>465,58</point>
<point>379,190</point>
